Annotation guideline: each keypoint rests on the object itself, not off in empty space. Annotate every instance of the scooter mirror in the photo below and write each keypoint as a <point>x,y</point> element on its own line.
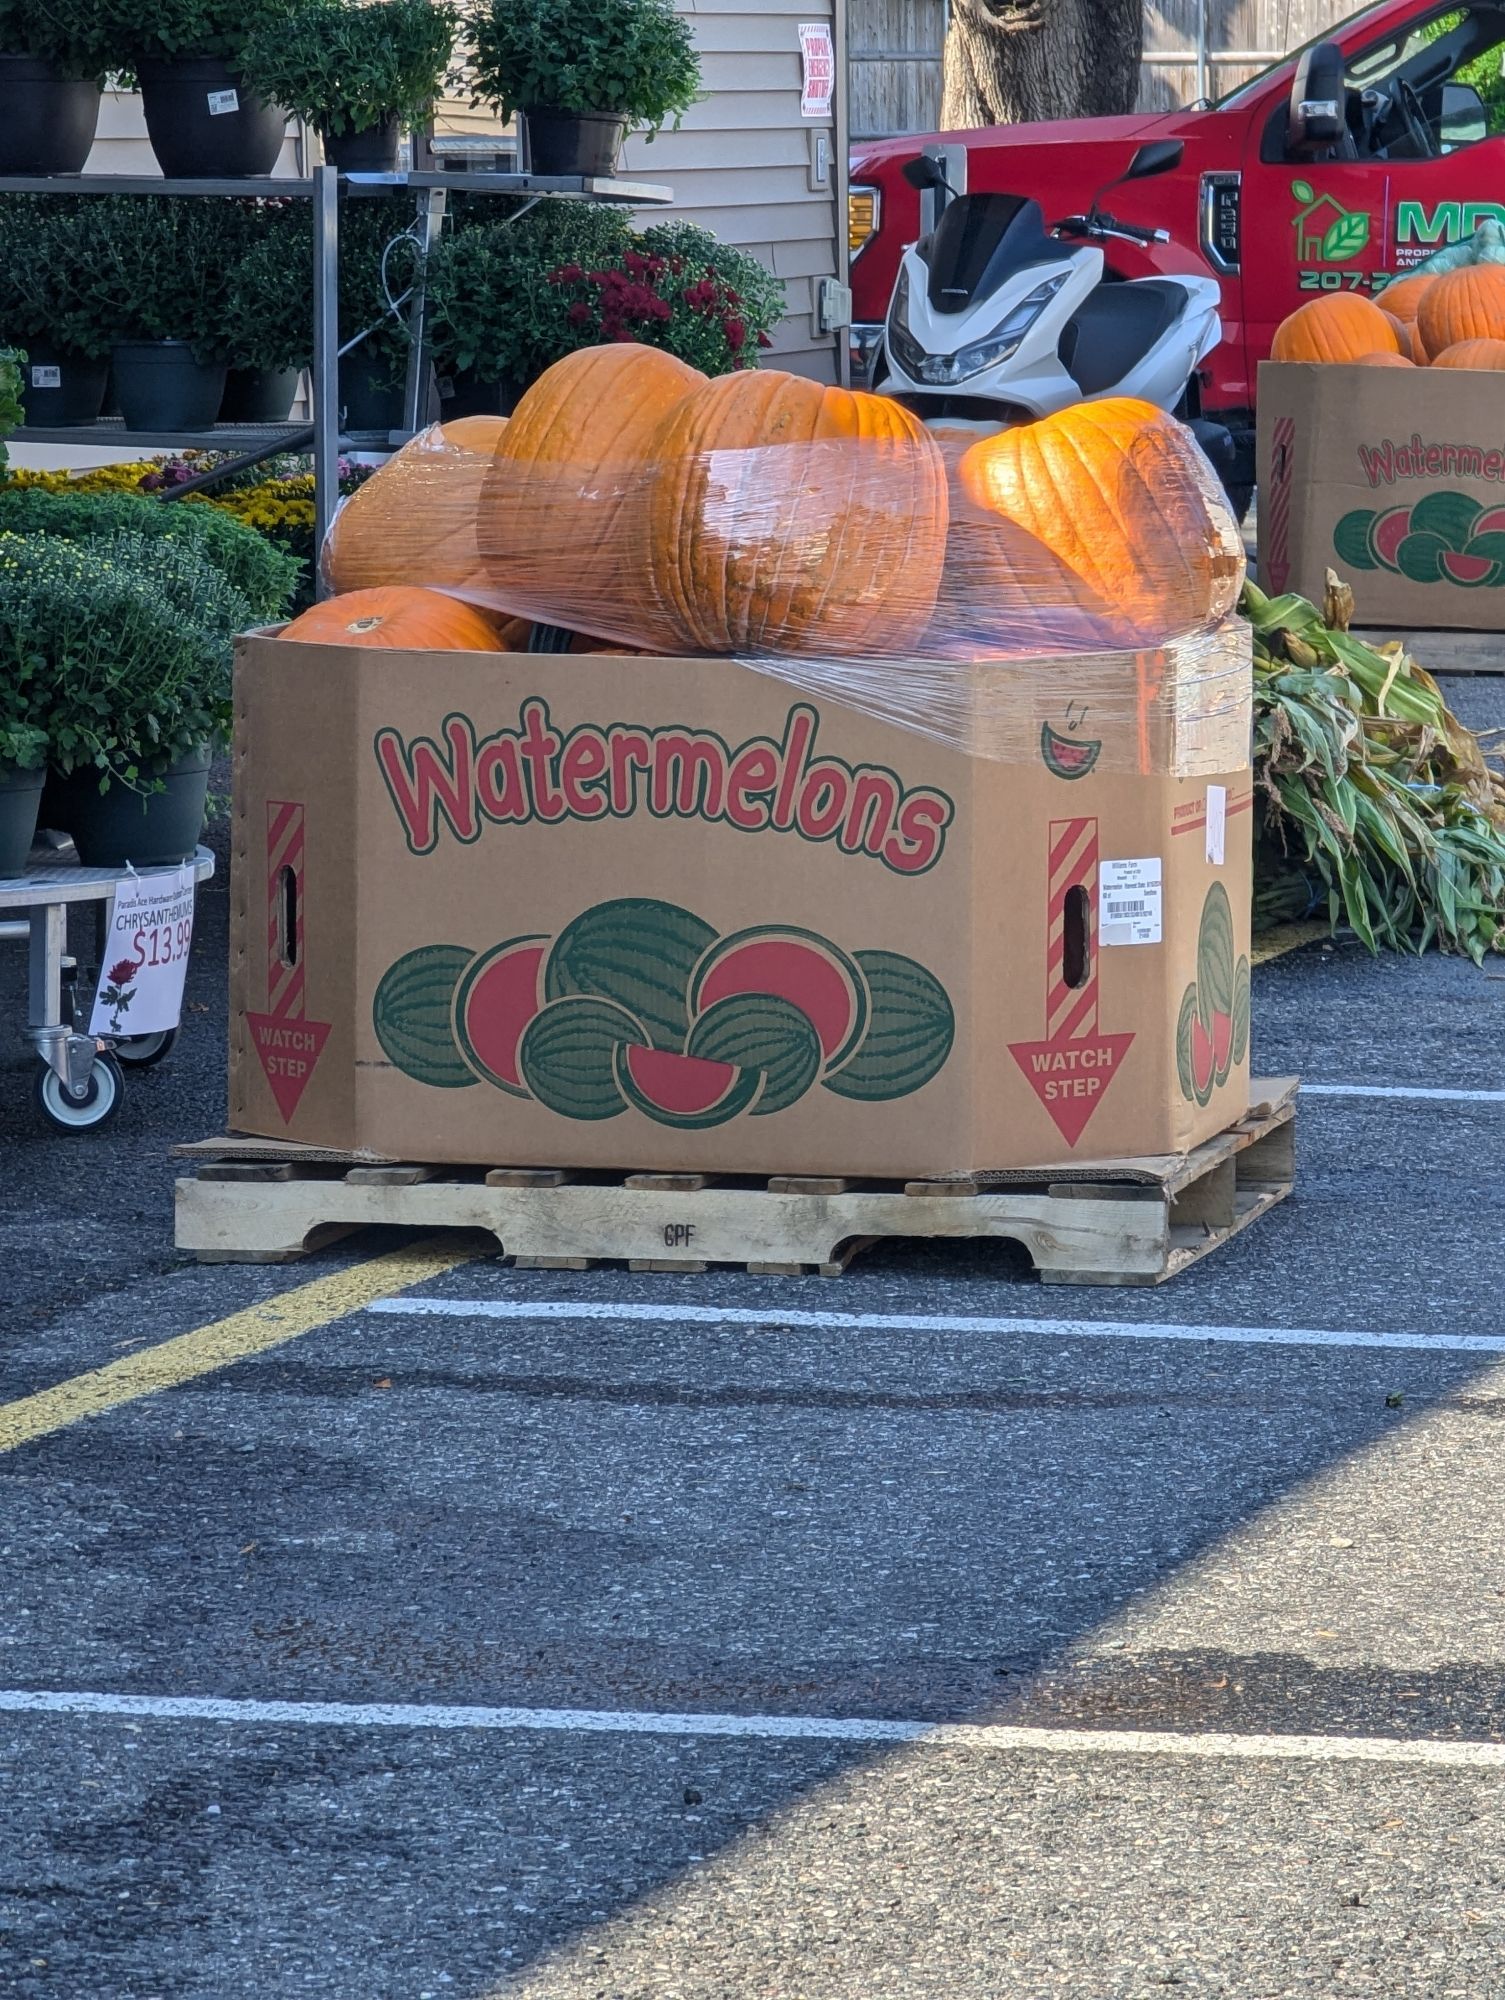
<point>1158,157</point>
<point>924,171</point>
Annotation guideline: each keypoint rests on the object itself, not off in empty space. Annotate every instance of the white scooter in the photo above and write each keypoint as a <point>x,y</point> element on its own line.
<point>997,320</point>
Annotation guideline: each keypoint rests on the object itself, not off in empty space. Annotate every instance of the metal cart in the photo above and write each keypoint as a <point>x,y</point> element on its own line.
<point>79,1076</point>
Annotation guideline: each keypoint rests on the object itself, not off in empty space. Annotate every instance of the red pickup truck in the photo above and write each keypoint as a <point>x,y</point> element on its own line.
<point>1276,199</point>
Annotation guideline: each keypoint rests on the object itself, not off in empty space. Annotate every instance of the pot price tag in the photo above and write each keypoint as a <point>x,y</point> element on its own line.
<point>221,101</point>
<point>145,955</point>
<point>44,377</point>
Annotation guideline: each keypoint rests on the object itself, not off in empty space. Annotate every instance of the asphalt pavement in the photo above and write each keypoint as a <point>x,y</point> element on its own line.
<point>384,1622</point>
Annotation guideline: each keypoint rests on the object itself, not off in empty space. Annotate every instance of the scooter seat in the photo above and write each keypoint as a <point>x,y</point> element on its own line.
<point>1115,327</point>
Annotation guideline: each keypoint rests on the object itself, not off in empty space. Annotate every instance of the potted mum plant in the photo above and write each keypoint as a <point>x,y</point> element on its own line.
<point>132,638</point>
<point>378,261</point>
<point>358,73</point>
<point>202,116</point>
<point>45,310</point>
<point>53,56</point>
<point>268,336</point>
<point>581,71</point>
<point>158,276</point>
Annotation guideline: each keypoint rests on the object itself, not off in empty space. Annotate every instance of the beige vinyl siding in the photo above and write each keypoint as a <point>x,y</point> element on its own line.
<point>739,164</point>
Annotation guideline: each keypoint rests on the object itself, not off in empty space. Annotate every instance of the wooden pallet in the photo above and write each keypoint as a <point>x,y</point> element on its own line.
<point>1446,652</point>
<point>1117,1222</point>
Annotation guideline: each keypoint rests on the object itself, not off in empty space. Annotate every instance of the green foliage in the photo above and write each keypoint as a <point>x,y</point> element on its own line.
<point>118,650</point>
<point>262,574</point>
<point>378,260</point>
<point>347,67</point>
<point>163,29</point>
<point>11,363</point>
<point>69,34</point>
<point>159,270</point>
<point>491,305</point>
<point>46,286</point>
<point>630,56</point>
<point>269,318</point>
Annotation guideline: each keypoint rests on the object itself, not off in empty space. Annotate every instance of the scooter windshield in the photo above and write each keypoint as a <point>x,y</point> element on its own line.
<point>980,241</point>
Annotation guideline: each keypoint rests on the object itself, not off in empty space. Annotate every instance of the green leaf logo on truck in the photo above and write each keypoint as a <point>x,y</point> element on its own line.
<point>1326,231</point>
<point>1445,538</point>
<point>639,1005</point>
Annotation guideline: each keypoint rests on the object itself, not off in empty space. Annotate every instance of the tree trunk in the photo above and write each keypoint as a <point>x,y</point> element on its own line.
<point>1009,61</point>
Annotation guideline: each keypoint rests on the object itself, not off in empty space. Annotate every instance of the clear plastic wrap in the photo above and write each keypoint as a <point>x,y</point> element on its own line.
<point>975,588</point>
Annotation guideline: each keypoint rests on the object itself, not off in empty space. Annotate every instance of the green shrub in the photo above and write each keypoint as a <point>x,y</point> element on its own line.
<point>269,318</point>
<point>47,290</point>
<point>119,650</point>
<point>378,259</point>
<point>632,56</point>
<point>160,270</point>
<point>164,29</point>
<point>69,34</point>
<point>261,573</point>
<point>346,68</point>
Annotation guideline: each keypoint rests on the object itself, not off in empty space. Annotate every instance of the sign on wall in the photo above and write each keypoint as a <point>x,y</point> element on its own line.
<point>817,69</point>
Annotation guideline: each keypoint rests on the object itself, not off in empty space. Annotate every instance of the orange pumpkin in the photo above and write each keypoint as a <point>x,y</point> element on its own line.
<point>1472,354</point>
<point>1338,326</point>
<point>1416,347</point>
<point>570,460</point>
<point>789,517</point>
<point>1099,526</point>
<point>1402,298</point>
<point>1468,304</point>
<point>414,520</point>
<point>422,620</point>
<point>1384,361</point>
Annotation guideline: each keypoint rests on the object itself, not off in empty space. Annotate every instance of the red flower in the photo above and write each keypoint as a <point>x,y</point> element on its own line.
<point>567,274</point>
<point>579,313</point>
<point>736,334</point>
<point>124,973</point>
<point>764,340</point>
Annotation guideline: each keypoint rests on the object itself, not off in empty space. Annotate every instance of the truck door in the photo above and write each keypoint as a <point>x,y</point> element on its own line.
<point>1422,155</point>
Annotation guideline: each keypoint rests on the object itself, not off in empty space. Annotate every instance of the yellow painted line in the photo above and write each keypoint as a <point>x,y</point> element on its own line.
<point>253,1331</point>
<point>1288,937</point>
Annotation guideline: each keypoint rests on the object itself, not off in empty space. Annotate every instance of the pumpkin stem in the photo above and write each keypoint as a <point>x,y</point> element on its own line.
<point>363,624</point>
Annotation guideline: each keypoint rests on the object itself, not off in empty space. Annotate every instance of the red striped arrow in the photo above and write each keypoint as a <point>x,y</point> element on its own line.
<point>1071,1069</point>
<point>288,1043</point>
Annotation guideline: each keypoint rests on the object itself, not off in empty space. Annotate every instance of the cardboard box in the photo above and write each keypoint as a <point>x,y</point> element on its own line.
<point>484,904</point>
<point>1393,477</point>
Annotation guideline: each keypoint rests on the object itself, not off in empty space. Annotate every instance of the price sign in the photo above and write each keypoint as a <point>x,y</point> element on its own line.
<point>145,955</point>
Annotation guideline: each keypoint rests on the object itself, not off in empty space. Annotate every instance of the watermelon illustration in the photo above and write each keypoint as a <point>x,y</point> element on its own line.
<point>1468,568</point>
<point>1386,533</point>
<point>909,1034</point>
<point>794,965</point>
<point>1241,1010</point>
<point>759,1031</point>
<point>1352,539</point>
<point>568,1056</point>
<point>1184,1027</point>
<point>1203,1060</point>
<point>1451,517</point>
<point>684,1091</point>
<point>1068,756</point>
<point>1222,1046</point>
<point>1419,557</point>
<point>410,1012</point>
<point>638,952</point>
<point>497,998</point>
<point>1490,545</point>
<point>1215,958</point>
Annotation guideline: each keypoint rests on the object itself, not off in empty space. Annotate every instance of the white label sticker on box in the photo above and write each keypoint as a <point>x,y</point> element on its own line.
<point>46,378</point>
<point>1217,823</point>
<point>140,988</point>
<point>1129,902</point>
<point>221,101</point>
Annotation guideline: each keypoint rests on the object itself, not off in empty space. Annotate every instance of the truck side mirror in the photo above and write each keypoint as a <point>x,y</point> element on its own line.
<point>923,171</point>
<point>1159,156</point>
<point>1315,120</point>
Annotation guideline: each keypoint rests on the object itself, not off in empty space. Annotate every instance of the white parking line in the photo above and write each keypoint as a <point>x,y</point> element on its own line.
<point>1403,1092</point>
<point>1469,1755</point>
<point>669,1312</point>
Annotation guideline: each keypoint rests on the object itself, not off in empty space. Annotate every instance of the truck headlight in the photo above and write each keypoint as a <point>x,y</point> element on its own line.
<point>864,214</point>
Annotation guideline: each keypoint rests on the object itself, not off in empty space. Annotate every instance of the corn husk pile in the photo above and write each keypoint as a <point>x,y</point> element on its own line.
<point>1382,807</point>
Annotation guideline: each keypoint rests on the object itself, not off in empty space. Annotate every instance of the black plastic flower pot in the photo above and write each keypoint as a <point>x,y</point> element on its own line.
<point>47,121</point>
<point>59,387</point>
<point>161,387</point>
<point>203,122</point>
<point>368,404</point>
<point>467,395</point>
<point>20,797</point>
<point>373,151</point>
<point>258,396</point>
<point>150,829</point>
<point>574,142</point>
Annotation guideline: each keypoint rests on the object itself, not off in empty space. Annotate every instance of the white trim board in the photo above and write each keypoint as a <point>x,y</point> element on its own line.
<point>771,1318</point>
<point>985,1737</point>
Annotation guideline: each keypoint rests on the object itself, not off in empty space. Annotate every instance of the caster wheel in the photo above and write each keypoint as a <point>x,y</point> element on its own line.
<point>142,1051</point>
<point>99,1103</point>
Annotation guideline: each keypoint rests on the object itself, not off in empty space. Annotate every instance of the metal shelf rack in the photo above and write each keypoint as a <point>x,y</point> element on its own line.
<point>322,187</point>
